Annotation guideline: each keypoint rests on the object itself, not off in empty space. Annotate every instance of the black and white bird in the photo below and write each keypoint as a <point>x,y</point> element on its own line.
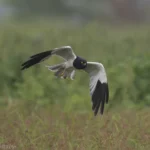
<point>98,80</point>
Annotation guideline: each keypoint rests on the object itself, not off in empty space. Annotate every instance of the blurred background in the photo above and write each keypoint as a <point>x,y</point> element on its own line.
<point>39,111</point>
<point>78,10</point>
<point>113,32</point>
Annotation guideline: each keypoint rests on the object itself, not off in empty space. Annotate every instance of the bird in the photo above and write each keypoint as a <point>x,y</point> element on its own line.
<point>99,90</point>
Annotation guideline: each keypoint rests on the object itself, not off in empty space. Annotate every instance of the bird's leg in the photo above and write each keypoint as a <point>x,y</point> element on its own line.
<point>58,73</point>
<point>65,75</point>
<point>62,73</point>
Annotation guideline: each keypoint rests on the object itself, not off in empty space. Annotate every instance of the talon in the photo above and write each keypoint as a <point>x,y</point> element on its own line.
<point>62,74</point>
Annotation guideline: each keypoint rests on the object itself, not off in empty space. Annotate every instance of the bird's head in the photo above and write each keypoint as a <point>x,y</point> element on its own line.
<point>80,63</point>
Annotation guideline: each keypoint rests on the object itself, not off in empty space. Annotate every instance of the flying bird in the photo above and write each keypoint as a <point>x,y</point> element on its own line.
<point>99,90</point>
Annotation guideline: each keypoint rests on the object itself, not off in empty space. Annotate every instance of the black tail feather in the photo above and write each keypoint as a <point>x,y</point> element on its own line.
<point>35,59</point>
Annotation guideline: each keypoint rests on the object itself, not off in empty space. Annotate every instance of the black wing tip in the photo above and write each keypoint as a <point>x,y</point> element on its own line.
<point>27,64</point>
<point>24,67</point>
<point>100,97</point>
<point>35,59</point>
<point>48,52</point>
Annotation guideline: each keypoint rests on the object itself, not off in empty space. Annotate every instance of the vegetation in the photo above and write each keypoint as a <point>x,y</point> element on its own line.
<point>53,129</point>
<point>40,111</point>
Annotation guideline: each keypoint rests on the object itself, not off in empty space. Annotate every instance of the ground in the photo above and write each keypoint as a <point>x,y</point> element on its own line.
<point>53,129</point>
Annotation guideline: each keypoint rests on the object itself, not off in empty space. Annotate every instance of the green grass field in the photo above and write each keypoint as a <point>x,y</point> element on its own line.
<point>40,112</point>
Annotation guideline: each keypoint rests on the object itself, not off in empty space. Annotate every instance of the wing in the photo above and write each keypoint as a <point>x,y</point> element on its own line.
<point>65,52</point>
<point>98,86</point>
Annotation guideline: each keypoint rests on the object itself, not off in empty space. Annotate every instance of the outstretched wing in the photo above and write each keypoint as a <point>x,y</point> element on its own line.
<point>98,86</point>
<point>65,52</point>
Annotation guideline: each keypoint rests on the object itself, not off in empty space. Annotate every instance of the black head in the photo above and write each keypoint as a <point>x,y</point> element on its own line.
<point>80,63</point>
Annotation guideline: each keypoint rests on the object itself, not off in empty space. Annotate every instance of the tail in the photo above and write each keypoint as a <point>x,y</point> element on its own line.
<point>61,72</point>
<point>55,68</point>
<point>35,59</point>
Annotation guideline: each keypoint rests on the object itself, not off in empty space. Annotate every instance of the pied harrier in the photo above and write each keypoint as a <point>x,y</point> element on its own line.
<point>98,80</point>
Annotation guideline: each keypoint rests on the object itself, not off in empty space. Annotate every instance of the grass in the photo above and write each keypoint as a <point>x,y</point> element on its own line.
<point>53,129</point>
